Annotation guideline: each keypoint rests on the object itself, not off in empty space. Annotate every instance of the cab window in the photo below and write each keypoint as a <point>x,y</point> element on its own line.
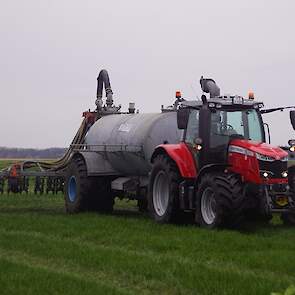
<point>192,131</point>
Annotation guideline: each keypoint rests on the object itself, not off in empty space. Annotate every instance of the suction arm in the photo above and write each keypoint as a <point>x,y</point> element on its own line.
<point>103,79</point>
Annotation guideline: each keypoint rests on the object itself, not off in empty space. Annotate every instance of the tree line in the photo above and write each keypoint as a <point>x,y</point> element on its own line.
<point>30,153</point>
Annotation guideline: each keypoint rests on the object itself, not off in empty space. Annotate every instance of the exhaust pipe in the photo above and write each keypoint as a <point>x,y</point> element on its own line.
<point>209,86</point>
<point>103,79</point>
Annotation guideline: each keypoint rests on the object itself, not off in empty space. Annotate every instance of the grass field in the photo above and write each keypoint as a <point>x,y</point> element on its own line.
<point>45,251</point>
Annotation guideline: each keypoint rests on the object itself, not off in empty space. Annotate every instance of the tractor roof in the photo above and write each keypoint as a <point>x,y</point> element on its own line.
<point>225,102</point>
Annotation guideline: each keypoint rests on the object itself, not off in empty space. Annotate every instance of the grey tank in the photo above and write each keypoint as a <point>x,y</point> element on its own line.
<point>127,141</point>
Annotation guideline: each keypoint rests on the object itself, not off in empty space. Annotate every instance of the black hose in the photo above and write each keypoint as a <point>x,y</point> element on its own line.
<point>103,79</point>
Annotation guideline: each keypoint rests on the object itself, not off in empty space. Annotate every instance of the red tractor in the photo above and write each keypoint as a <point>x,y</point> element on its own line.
<point>223,169</point>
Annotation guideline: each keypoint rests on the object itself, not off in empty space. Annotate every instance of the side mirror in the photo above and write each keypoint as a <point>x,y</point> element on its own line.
<point>182,118</point>
<point>292,118</point>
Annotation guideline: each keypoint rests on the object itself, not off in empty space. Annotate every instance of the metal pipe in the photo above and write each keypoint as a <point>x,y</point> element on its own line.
<point>103,79</point>
<point>209,86</point>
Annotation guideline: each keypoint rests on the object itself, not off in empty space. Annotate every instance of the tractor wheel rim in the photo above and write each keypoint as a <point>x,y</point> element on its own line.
<point>208,206</point>
<point>72,189</point>
<point>161,193</point>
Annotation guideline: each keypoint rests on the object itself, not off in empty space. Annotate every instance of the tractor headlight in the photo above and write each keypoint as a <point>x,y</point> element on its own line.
<point>266,174</point>
<point>264,158</point>
<point>285,174</point>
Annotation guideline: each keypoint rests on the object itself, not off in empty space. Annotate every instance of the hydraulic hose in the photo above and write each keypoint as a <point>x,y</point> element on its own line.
<point>63,161</point>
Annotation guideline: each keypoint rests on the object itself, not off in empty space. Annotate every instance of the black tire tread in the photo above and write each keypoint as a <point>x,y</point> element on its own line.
<point>95,195</point>
<point>174,215</point>
<point>229,197</point>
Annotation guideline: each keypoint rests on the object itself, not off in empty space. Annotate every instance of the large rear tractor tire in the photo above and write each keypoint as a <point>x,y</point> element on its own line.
<point>164,190</point>
<point>84,193</point>
<point>220,201</point>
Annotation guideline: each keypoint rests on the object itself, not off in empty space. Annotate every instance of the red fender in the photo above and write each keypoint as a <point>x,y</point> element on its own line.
<point>181,155</point>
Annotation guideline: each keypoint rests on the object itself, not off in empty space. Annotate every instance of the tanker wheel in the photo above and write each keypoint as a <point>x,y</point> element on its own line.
<point>163,191</point>
<point>83,193</point>
<point>220,201</point>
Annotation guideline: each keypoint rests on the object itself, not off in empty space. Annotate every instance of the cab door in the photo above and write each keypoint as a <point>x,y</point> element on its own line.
<point>192,133</point>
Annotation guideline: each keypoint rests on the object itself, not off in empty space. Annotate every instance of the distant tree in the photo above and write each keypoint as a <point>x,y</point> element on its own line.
<point>22,153</point>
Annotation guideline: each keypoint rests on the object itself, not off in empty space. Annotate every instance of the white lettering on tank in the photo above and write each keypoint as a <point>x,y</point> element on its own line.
<point>125,127</point>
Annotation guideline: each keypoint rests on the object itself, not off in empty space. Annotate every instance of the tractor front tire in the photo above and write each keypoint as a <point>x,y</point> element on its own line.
<point>220,201</point>
<point>164,190</point>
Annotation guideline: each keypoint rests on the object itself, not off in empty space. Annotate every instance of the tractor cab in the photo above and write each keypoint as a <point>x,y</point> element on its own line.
<point>226,137</point>
<point>213,124</point>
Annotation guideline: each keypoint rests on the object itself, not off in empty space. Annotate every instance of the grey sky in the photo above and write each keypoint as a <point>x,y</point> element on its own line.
<point>51,52</point>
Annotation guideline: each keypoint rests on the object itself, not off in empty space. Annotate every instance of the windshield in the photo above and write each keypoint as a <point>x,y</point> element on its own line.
<point>235,124</point>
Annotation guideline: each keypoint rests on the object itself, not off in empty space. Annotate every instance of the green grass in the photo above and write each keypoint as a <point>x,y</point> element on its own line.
<point>45,251</point>
<point>6,163</point>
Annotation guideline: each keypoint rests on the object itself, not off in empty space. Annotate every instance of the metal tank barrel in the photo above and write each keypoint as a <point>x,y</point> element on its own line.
<point>128,140</point>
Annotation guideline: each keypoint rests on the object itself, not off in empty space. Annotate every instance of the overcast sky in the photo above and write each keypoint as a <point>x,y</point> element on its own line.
<point>52,51</point>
